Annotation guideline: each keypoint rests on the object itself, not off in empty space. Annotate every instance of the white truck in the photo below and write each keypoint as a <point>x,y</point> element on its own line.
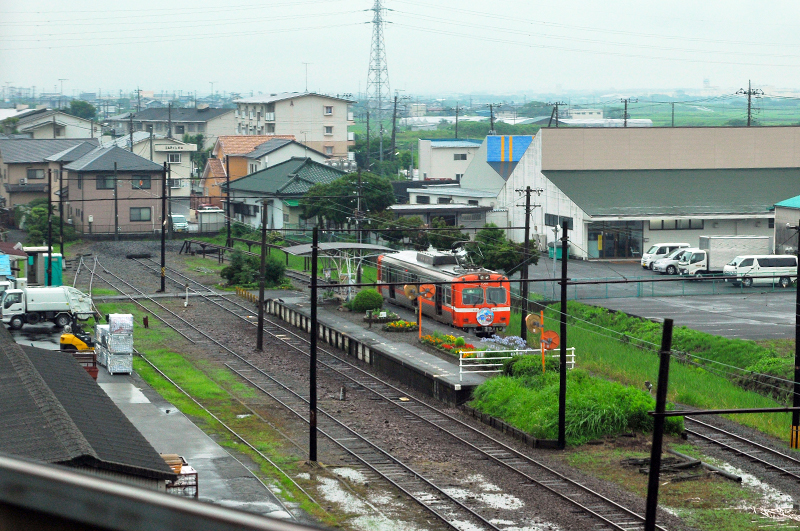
<point>12,283</point>
<point>34,305</point>
<point>715,252</point>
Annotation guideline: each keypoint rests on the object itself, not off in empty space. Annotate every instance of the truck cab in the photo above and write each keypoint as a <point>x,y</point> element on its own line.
<point>694,263</point>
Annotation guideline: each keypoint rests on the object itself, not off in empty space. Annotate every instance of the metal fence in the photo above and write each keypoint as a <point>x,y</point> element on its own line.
<point>476,361</point>
<point>645,286</point>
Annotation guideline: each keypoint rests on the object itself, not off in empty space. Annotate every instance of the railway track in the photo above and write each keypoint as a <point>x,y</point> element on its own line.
<point>759,454</point>
<point>435,500</point>
<point>610,514</point>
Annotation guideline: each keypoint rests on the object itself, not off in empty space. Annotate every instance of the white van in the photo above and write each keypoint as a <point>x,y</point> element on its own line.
<point>658,251</point>
<point>772,269</point>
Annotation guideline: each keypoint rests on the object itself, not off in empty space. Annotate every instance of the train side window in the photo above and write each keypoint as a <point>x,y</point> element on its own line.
<point>446,296</point>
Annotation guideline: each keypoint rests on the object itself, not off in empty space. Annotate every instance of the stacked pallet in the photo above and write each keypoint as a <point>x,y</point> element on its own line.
<point>100,332</point>
<point>117,344</point>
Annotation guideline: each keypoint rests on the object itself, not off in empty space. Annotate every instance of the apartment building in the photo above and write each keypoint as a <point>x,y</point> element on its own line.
<point>176,122</point>
<point>316,120</point>
<point>445,158</point>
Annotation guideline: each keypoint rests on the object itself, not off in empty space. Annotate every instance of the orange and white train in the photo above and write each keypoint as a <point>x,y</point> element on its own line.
<point>482,303</point>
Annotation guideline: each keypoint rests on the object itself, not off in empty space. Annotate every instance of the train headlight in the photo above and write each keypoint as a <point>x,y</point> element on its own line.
<point>485,316</point>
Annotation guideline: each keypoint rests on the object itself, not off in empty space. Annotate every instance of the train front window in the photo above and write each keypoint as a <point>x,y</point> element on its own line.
<point>496,295</point>
<point>472,295</point>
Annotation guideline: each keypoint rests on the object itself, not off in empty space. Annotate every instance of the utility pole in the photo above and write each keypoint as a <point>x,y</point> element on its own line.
<point>228,242</point>
<point>54,125</point>
<point>562,387</point>
<point>673,114</point>
<point>368,142</point>
<point>169,200</point>
<point>491,117</point>
<point>163,230</point>
<point>394,126</point>
<point>626,101</point>
<point>262,280</point>
<point>555,112</point>
<point>138,100</point>
<point>525,258</point>
<point>312,392</point>
<point>306,75</point>
<point>795,435</point>
<point>380,155</point>
<point>169,120</point>
<point>49,227</point>
<point>358,208</point>
<point>130,128</point>
<point>61,205</point>
<point>61,94</point>
<point>116,206</point>
<point>750,93</point>
<point>457,109</point>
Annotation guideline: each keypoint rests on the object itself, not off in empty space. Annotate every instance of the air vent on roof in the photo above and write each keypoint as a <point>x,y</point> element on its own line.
<point>202,107</point>
<point>436,259</point>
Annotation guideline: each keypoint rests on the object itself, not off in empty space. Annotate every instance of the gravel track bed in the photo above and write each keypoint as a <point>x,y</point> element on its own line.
<point>429,451</point>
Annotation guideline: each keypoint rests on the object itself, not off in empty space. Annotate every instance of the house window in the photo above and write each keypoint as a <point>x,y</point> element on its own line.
<point>140,182</point>
<point>443,201</point>
<point>423,200</point>
<point>179,129</point>
<point>201,128</point>
<point>551,220</point>
<point>140,213</point>
<point>105,182</point>
<point>459,156</point>
<point>35,174</point>
<point>286,218</point>
<point>80,181</point>
<point>174,158</point>
<point>253,168</point>
<point>191,127</point>
<point>459,176</point>
<point>328,129</point>
<point>472,202</point>
<point>328,110</point>
<point>329,150</point>
<point>771,223</point>
<point>475,216</point>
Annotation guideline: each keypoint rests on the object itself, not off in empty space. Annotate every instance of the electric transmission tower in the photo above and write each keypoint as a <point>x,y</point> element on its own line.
<point>378,91</point>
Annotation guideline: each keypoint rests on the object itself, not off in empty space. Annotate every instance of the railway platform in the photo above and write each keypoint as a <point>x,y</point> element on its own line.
<point>222,478</point>
<point>413,366</point>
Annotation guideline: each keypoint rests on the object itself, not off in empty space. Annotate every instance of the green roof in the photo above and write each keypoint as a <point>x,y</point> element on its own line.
<point>794,202</point>
<point>292,177</point>
<point>653,193</point>
<point>291,202</point>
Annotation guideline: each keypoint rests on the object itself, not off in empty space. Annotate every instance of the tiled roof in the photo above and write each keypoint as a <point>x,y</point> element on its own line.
<point>292,177</point>
<point>244,144</point>
<point>10,249</point>
<point>103,159</point>
<point>74,153</point>
<point>53,411</point>
<point>20,151</point>
<point>269,98</point>
<point>124,141</point>
<point>163,114</point>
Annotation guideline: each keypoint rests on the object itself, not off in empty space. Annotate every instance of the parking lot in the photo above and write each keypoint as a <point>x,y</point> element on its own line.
<point>716,307</point>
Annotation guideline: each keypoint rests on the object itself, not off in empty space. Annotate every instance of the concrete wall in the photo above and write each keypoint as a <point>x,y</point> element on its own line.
<point>180,171</point>
<point>670,148</point>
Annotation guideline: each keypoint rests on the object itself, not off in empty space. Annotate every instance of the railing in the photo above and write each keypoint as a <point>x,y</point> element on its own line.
<point>477,362</point>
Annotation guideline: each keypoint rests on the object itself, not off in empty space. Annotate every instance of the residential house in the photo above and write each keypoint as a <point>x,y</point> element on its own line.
<point>281,186</point>
<point>51,123</point>
<point>55,413</point>
<point>229,154</point>
<point>26,163</point>
<point>445,158</point>
<point>623,189</point>
<point>175,153</point>
<point>452,204</point>
<point>176,122</point>
<point>320,121</point>
<point>111,189</point>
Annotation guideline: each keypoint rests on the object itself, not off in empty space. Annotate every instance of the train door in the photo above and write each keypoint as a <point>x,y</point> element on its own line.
<point>437,298</point>
<point>392,278</point>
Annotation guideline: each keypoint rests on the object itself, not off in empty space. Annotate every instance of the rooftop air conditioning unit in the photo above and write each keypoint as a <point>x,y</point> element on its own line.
<point>23,181</point>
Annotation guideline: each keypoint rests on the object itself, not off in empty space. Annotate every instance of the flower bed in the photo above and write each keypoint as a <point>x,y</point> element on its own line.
<point>377,316</point>
<point>449,343</point>
<point>400,326</point>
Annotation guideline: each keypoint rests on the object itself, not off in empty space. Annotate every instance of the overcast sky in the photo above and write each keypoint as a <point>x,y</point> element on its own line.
<point>433,47</point>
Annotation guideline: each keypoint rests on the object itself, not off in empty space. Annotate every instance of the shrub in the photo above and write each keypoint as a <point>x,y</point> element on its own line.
<point>368,299</point>
<point>244,270</point>
<point>460,342</point>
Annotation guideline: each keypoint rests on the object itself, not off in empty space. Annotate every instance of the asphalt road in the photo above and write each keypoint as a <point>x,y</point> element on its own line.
<point>715,307</point>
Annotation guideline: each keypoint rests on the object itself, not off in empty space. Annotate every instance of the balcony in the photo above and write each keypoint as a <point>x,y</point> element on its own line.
<point>269,116</point>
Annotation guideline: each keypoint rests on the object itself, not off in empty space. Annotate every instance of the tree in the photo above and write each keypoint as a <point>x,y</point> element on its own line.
<point>398,230</point>
<point>337,201</point>
<point>444,239</point>
<point>199,157</point>
<point>81,109</point>
<point>498,252</point>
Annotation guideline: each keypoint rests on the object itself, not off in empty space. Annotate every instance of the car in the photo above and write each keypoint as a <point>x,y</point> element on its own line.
<point>669,264</point>
<point>658,251</point>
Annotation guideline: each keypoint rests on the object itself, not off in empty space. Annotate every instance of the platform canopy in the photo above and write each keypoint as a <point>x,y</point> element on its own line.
<point>337,249</point>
